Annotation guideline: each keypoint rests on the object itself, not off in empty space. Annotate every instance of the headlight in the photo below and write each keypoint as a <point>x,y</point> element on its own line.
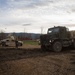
<point>50,41</point>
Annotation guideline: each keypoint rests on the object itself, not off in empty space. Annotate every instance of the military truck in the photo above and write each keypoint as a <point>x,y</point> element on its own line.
<point>57,38</point>
<point>10,41</point>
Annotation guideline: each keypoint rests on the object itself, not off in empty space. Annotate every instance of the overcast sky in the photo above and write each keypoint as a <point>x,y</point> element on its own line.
<point>34,15</point>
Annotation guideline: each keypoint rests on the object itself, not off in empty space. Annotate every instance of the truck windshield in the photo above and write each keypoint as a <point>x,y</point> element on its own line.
<point>53,30</point>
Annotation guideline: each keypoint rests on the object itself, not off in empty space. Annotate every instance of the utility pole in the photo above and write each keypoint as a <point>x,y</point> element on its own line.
<point>25,28</point>
<point>41,29</point>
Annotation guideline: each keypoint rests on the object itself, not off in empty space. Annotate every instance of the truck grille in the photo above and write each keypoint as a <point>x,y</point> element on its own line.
<point>44,39</point>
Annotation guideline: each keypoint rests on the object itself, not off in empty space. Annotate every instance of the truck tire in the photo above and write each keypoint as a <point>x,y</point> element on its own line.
<point>20,44</point>
<point>57,46</point>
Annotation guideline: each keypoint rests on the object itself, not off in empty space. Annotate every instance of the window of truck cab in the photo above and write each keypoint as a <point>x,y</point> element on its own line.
<point>53,30</point>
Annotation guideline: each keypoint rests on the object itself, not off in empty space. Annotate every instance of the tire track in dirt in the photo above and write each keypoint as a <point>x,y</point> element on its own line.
<point>16,54</point>
<point>50,64</point>
<point>42,63</point>
<point>71,66</point>
<point>58,63</point>
<point>43,66</point>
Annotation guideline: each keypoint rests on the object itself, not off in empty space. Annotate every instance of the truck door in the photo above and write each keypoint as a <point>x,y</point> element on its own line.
<point>64,36</point>
<point>63,33</point>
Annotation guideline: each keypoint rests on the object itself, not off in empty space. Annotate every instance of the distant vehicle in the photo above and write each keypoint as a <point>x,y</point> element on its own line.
<point>10,41</point>
<point>57,38</point>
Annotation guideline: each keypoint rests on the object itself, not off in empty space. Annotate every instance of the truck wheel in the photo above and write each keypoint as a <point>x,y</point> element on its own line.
<point>20,44</point>
<point>57,46</point>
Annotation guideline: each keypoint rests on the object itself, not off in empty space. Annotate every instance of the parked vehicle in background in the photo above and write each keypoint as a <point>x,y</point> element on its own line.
<point>57,38</point>
<point>10,41</point>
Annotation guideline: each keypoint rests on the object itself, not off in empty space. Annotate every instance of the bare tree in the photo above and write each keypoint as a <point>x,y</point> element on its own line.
<point>2,35</point>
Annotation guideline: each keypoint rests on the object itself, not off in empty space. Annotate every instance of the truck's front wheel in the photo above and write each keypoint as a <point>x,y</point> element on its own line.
<point>57,46</point>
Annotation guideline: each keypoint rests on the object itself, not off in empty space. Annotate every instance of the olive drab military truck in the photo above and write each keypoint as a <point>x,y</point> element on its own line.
<point>57,38</point>
<point>10,41</point>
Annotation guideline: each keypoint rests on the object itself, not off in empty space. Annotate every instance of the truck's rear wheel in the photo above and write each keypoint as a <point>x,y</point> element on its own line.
<point>57,46</point>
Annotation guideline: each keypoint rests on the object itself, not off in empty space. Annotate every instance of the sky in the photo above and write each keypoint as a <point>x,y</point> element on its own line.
<point>36,16</point>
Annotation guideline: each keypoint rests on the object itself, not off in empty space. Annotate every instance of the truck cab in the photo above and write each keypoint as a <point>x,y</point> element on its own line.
<point>59,32</point>
<point>56,38</point>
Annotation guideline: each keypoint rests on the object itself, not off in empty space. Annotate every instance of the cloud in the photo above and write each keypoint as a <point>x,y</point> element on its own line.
<point>37,13</point>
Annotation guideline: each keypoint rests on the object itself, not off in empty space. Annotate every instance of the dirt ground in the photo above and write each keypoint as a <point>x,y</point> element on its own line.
<point>31,60</point>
